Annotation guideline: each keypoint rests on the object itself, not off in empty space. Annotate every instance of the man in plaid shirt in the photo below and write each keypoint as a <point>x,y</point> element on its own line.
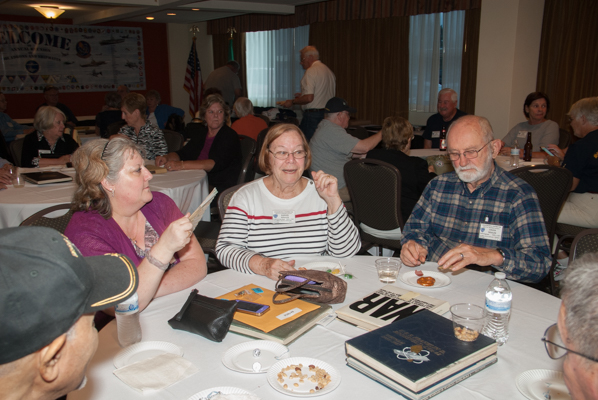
<point>479,214</point>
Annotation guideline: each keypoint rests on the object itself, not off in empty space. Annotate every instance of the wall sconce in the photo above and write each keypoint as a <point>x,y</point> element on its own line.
<point>49,12</point>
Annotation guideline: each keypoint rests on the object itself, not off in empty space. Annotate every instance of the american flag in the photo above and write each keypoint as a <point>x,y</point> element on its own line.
<point>193,83</point>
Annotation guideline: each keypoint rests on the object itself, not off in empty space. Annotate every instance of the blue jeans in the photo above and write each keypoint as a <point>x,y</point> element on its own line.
<point>310,122</point>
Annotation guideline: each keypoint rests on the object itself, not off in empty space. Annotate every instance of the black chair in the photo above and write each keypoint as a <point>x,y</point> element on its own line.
<point>564,139</point>
<point>375,189</point>
<point>248,148</point>
<point>584,242</point>
<point>174,140</point>
<point>58,223</point>
<point>260,142</point>
<point>16,149</point>
<point>358,131</point>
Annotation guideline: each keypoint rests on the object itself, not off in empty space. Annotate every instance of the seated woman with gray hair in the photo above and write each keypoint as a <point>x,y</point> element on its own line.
<point>117,213</point>
<point>247,124</point>
<point>48,146</point>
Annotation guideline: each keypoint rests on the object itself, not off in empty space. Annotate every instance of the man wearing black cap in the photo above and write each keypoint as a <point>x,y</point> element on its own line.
<point>49,293</point>
<point>331,146</point>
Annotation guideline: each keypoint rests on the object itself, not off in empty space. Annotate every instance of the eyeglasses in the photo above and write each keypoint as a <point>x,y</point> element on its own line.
<point>555,347</point>
<point>284,155</point>
<point>469,154</point>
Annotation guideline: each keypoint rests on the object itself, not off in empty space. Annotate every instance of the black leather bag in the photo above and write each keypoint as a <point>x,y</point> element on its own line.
<point>204,316</point>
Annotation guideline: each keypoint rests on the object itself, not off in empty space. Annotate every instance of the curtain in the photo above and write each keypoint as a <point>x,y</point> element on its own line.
<point>469,63</point>
<point>424,62</point>
<point>452,44</point>
<point>273,69</point>
<point>369,59</point>
<point>568,56</point>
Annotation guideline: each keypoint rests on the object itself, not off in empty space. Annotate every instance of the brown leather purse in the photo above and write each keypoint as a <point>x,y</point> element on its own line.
<point>319,286</point>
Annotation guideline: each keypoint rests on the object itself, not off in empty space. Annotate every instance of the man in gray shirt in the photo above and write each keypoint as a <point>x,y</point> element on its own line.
<point>331,146</point>
<point>226,80</point>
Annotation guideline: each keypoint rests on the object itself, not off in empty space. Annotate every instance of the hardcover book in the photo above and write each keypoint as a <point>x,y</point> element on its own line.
<point>44,177</point>
<point>418,351</point>
<point>389,304</point>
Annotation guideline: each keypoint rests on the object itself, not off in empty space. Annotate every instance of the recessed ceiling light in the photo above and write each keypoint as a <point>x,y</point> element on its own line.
<point>149,18</point>
<point>195,9</point>
<point>171,14</point>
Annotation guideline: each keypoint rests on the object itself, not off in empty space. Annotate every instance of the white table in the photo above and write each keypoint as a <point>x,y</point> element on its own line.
<point>532,313</point>
<point>186,188</point>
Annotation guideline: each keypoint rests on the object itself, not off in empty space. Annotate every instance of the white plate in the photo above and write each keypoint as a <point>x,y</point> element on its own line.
<point>535,384</point>
<point>409,278</point>
<point>221,389</point>
<point>144,350</point>
<point>303,389</point>
<point>321,266</point>
<point>240,357</point>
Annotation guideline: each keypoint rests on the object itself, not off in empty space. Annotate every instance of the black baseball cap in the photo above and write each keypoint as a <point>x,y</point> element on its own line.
<point>336,104</point>
<point>46,285</point>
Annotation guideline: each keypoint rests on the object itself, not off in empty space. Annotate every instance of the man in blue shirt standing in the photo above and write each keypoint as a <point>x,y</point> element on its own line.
<point>479,214</point>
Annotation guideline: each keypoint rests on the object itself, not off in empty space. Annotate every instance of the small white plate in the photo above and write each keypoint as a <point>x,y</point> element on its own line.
<point>144,350</point>
<point>302,390</point>
<point>222,389</point>
<point>240,357</point>
<point>321,266</point>
<point>409,278</point>
<point>535,384</point>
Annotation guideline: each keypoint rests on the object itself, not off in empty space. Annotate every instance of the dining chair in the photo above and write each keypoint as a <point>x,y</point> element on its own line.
<point>248,149</point>
<point>375,190</point>
<point>260,142</point>
<point>58,223</point>
<point>16,149</point>
<point>114,127</point>
<point>564,139</point>
<point>174,140</point>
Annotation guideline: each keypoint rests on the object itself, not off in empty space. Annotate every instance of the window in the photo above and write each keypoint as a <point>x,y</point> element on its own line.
<point>273,70</point>
<point>435,48</point>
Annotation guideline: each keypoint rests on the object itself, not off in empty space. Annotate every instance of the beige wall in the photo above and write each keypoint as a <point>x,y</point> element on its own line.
<point>510,32</point>
<point>179,44</point>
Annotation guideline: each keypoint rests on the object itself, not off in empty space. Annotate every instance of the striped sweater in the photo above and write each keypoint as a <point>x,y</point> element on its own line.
<point>249,228</point>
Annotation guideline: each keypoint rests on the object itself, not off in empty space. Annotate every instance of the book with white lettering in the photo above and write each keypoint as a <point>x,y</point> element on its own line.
<point>389,304</point>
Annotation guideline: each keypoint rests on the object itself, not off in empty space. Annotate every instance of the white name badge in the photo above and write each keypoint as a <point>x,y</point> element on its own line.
<point>435,134</point>
<point>490,232</point>
<point>40,152</point>
<point>283,217</point>
<point>522,135</point>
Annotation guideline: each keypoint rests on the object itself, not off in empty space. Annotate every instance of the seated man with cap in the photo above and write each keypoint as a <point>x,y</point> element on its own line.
<point>331,146</point>
<point>49,293</point>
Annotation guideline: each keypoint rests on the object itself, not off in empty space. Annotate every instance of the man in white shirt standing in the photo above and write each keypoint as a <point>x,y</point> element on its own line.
<point>318,85</point>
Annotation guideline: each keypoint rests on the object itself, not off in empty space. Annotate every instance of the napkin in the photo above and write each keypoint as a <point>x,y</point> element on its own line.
<point>156,373</point>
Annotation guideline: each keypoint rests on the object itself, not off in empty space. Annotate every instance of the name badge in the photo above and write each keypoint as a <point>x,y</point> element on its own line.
<point>40,152</point>
<point>490,232</point>
<point>522,135</point>
<point>283,217</point>
<point>435,134</point>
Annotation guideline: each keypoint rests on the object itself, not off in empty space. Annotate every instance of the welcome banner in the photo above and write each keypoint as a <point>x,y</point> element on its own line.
<point>73,58</point>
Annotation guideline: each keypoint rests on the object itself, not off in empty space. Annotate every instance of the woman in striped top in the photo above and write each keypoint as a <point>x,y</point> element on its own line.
<point>284,215</point>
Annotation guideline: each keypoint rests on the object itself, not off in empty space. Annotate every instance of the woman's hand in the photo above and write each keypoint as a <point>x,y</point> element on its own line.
<point>64,159</point>
<point>175,165</point>
<point>270,267</point>
<point>173,239</point>
<point>160,161</point>
<point>327,187</point>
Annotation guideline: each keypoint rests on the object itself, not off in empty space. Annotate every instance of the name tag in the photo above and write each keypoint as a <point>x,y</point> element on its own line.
<point>490,232</point>
<point>283,217</point>
<point>40,152</point>
<point>522,135</point>
<point>435,134</point>
<point>288,314</point>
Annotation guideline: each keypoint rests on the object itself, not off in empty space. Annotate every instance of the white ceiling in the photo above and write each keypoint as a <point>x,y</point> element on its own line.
<point>88,12</point>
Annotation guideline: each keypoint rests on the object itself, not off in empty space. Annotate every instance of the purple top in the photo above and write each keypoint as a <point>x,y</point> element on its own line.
<point>93,235</point>
<point>204,155</point>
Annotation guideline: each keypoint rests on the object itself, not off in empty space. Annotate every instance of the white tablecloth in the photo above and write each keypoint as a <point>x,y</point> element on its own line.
<point>186,188</point>
<point>532,313</point>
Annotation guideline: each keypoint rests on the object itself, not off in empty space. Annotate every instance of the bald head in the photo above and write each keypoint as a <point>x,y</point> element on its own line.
<point>473,124</point>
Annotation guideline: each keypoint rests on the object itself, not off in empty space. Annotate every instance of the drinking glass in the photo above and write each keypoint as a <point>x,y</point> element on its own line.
<point>468,321</point>
<point>388,269</point>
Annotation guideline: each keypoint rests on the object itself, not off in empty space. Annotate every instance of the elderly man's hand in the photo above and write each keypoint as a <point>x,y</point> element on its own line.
<point>286,104</point>
<point>413,254</point>
<point>270,267</point>
<point>464,255</point>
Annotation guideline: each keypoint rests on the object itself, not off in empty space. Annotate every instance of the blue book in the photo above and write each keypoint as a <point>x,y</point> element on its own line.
<point>418,351</point>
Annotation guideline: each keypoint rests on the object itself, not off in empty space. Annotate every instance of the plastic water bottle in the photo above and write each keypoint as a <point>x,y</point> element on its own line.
<point>498,308</point>
<point>127,321</point>
<point>514,161</point>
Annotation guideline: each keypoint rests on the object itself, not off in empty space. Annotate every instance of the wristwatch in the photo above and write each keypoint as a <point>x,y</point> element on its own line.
<point>502,253</point>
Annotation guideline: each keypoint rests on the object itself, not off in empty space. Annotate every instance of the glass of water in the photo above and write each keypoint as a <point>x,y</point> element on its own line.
<point>388,269</point>
<point>17,179</point>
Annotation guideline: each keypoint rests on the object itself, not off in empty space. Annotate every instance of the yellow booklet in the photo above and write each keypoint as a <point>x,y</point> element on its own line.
<point>278,315</point>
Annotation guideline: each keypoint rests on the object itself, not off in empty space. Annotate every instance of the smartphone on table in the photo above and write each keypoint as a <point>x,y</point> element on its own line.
<point>255,309</point>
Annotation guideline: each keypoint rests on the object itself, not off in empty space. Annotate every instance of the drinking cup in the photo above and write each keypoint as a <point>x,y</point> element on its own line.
<point>468,321</point>
<point>17,179</point>
<point>388,269</point>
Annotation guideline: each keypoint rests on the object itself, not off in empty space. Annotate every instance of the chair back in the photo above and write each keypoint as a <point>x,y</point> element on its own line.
<point>114,127</point>
<point>584,242</point>
<point>4,151</point>
<point>248,148</point>
<point>16,149</point>
<point>375,189</point>
<point>552,185</point>
<point>266,119</point>
<point>358,131</point>
<point>224,199</point>
<point>564,138</point>
<point>174,140</point>
<point>58,223</point>
<point>260,143</point>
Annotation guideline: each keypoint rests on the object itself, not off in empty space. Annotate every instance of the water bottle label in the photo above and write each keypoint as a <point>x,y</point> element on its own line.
<point>500,307</point>
<point>514,152</point>
<point>127,309</point>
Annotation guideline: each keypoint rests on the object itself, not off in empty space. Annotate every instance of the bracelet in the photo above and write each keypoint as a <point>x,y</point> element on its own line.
<point>155,262</point>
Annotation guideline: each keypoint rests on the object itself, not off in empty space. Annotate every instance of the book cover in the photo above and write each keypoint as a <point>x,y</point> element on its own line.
<point>43,177</point>
<point>418,351</point>
<point>389,304</point>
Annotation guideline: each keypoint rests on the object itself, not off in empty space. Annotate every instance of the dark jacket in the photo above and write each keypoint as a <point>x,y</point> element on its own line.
<point>31,146</point>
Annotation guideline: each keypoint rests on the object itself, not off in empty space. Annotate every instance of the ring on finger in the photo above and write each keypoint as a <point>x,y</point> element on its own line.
<point>462,256</point>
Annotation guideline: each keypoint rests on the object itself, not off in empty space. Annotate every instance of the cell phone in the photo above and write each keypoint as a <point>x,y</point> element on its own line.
<point>548,151</point>
<point>248,307</point>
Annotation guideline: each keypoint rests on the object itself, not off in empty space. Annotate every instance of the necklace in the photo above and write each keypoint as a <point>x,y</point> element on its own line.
<point>132,238</point>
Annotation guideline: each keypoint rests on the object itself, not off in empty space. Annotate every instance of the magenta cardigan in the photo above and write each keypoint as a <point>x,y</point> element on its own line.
<point>93,235</point>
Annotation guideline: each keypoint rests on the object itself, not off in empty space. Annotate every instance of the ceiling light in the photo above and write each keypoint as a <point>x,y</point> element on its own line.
<point>149,18</point>
<point>195,9</point>
<point>171,14</point>
<point>49,12</point>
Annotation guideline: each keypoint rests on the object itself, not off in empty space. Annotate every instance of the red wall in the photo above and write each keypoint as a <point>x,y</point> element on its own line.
<point>155,49</point>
